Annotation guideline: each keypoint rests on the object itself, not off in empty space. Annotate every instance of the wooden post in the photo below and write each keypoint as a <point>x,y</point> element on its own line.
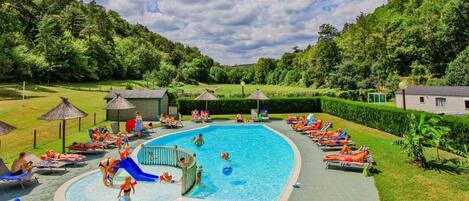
<point>35,138</point>
<point>60,130</point>
<point>403,99</point>
<point>94,118</point>
<point>79,124</point>
<point>63,136</point>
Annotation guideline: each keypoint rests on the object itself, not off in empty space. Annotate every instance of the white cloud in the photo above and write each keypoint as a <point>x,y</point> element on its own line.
<point>240,31</point>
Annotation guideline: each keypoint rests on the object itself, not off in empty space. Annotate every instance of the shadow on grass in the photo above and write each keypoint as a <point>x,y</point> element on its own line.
<point>222,119</point>
<point>449,166</point>
<point>12,94</point>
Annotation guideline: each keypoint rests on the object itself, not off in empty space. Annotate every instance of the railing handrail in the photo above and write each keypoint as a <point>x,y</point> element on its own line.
<point>169,156</point>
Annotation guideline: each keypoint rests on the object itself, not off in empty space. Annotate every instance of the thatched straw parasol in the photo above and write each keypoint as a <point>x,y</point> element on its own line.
<point>257,95</point>
<point>118,103</point>
<point>206,96</point>
<point>64,111</point>
<point>5,129</point>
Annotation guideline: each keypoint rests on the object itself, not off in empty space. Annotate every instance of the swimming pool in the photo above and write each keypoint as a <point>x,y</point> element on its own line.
<point>262,163</point>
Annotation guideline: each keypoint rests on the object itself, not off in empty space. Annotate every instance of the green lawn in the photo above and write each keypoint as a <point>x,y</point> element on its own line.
<point>24,116</point>
<point>225,90</point>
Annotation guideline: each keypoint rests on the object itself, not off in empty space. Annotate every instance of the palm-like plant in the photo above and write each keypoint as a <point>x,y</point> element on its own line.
<point>438,135</point>
<point>414,139</point>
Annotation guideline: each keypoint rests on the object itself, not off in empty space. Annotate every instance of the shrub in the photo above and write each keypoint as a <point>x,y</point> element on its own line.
<point>390,119</point>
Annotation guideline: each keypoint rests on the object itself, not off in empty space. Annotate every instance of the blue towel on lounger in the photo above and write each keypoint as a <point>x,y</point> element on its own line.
<point>10,177</point>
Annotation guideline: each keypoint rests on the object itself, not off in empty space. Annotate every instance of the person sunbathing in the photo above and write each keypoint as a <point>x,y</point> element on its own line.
<point>102,137</point>
<point>20,165</point>
<point>316,126</point>
<point>56,156</point>
<point>205,115</point>
<point>327,134</point>
<point>336,142</point>
<point>355,157</point>
<point>239,118</point>
<point>292,118</point>
<point>166,178</point>
<point>83,146</point>
<point>301,122</point>
<point>346,151</point>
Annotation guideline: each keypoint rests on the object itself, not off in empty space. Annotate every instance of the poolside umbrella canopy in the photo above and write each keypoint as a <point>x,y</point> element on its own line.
<point>257,95</point>
<point>64,111</point>
<point>5,129</point>
<point>206,96</point>
<point>118,103</point>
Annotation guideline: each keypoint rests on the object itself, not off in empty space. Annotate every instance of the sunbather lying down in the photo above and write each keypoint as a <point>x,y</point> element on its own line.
<point>102,137</point>
<point>170,121</point>
<point>347,155</point>
<point>52,155</point>
<point>345,141</point>
<point>327,134</point>
<point>87,146</point>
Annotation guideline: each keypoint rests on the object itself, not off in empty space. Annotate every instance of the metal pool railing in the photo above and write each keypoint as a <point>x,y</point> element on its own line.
<point>169,156</point>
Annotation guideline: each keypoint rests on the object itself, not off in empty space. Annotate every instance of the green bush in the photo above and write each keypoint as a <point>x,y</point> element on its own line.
<point>239,105</point>
<point>390,119</point>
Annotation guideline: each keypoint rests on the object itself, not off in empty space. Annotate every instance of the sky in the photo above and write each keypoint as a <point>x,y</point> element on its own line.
<point>240,31</point>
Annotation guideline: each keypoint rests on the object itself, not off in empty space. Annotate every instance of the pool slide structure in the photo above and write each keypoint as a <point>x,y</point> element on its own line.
<point>132,168</point>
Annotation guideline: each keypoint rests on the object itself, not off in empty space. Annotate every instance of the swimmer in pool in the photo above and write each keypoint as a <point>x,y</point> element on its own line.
<point>199,141</point>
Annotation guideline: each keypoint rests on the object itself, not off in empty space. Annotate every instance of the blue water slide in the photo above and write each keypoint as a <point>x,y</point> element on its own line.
<point>136,172</point>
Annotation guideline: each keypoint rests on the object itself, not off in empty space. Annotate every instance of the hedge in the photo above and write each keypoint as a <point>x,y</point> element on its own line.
<point>239,105</point>
<point>390,119</point>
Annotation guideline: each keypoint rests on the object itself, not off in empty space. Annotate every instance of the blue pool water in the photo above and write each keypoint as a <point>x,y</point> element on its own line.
<point>262,161</point>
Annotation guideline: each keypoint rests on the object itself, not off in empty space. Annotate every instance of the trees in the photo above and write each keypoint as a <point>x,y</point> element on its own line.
<point>218,75</point>
<point>67,40</point>
<point>458,70</point>
<point>419,73</point>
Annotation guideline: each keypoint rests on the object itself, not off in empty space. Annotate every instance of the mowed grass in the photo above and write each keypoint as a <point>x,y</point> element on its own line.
<point>396,178</point>
<point>220,89</point>
<point>24,116</point>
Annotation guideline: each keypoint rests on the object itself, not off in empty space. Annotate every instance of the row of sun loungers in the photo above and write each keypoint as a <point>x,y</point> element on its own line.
<point>332,141</point>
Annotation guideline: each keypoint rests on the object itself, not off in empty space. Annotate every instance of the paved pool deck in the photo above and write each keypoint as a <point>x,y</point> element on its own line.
<point>317,182</point>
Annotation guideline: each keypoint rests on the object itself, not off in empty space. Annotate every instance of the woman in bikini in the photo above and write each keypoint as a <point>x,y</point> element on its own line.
<point>126,188</point>
<point>106,167</point>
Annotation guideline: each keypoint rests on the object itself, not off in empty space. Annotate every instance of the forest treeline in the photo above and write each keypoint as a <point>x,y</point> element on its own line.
<point>70,41</point>
<point>423,39</point>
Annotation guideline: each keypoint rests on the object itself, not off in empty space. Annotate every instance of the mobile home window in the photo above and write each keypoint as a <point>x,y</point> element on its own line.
<point>440,102</point>
<point>422,100</point>
<point>466,104</point>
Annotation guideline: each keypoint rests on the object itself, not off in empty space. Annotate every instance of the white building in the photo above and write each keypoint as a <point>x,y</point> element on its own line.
<point>436,99</point>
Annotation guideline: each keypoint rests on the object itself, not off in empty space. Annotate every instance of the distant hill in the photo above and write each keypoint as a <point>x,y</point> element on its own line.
<point>69,41</point>
<point>422,39</point>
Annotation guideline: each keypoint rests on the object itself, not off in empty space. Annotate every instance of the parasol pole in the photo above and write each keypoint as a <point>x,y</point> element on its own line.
<point>118,121</point>
<point>257,105</point>
<point>206,105</point>
<point>63,136</point>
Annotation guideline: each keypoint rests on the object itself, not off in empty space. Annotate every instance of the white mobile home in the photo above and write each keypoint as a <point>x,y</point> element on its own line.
<point>436,99</point>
